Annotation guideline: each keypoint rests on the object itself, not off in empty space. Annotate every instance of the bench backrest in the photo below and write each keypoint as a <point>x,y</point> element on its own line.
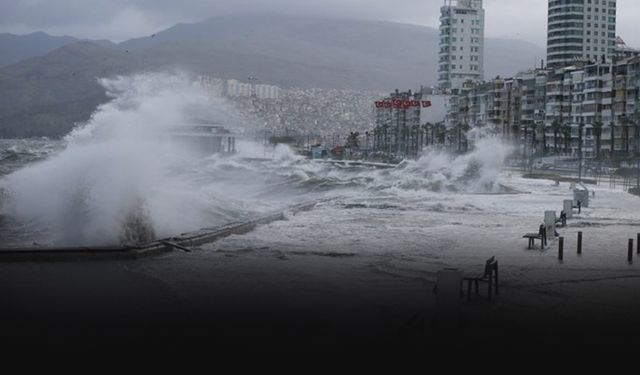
<point>490,265</point>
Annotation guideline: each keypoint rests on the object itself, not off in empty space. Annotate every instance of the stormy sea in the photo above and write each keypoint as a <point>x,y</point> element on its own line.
<point>358,269</point>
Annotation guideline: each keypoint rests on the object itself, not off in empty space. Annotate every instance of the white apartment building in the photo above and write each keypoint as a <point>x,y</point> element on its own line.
<point>461,43</point>
<point>236,88</point>
<point>580,30</point>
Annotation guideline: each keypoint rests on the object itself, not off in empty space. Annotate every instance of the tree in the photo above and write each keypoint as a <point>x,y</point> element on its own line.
<point>376,138</point>
<point>353,142</point>
<point>415,140</point>
<point>556,129</point>
<point>625,132</point>
<point>597,133</point>
<point>566,133</point>
<point>613,139</point>
<point>580,129</point>
<point>543,130</point>
<point>426,128</point>
<point>442,133</point>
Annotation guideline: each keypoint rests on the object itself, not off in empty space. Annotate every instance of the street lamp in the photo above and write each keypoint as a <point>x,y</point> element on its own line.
<point>366,134</point>
<point>580,128</point>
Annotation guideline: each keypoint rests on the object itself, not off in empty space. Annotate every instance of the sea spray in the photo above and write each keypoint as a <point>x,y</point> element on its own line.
<point>477,171</point>
<point>437,170</point>
<point>118,178</point>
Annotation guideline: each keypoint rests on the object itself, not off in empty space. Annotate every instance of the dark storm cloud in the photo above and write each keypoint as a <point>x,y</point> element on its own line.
<point>122,19</point>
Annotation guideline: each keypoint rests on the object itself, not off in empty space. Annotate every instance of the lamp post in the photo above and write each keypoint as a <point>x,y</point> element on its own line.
<point>366,145</point>
<point>580,128</point>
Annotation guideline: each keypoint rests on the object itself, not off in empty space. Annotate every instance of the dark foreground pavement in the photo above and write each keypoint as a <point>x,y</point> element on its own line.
<point>254,302</point>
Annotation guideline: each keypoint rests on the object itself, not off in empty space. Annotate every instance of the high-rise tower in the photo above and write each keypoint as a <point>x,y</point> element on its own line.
<point>461,43</point>
<point>580,30</point>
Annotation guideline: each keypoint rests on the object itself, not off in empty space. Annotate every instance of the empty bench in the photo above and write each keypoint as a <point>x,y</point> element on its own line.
<point>533,237</point>
<point>490,275</point>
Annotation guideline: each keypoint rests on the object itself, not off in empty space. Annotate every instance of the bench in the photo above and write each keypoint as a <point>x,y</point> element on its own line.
<point>490,275</point>
<point>535,236</point>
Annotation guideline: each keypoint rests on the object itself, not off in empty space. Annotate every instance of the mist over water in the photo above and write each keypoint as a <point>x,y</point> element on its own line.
<point>120,179</point>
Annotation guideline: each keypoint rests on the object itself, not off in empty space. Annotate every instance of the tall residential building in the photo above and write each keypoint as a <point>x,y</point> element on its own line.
<point>583,30</point>
<point>461,43</point>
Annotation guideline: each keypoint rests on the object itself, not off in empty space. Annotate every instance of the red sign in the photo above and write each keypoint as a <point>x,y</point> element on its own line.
<point>403,104</point>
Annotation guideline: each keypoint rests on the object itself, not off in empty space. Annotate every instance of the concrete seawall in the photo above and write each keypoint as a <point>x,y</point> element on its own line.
<point>183,241</point>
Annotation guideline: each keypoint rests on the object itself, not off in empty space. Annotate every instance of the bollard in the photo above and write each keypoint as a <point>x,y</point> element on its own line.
<point>561,248</point>
<point>630,255</point>
<point>579,243</point>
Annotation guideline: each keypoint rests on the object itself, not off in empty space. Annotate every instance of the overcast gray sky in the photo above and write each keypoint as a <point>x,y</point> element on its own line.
<point>119,20</point>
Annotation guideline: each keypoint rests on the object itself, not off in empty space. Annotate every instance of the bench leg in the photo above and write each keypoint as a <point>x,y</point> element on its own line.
<point>490,286</point>
<point>477,287</point>
<point>496,280</point>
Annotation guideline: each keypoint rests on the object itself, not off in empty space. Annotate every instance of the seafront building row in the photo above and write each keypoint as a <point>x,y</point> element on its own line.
<point>591,109</point>
<point>584,102</point>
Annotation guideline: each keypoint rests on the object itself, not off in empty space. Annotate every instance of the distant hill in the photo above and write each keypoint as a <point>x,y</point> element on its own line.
<point>15,48</point>
<point>325,53</point>
<point>46,94</point>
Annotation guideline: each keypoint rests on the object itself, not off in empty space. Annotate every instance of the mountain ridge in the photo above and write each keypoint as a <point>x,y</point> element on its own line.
<point>46,95</point>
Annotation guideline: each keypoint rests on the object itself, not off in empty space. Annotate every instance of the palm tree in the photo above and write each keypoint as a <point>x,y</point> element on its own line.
<point>580,129</point>
<point>375,139</point>
<point>442,133</point>
<point>415,140</point>
<point>425,128</point>
<point>566,133</point>
<point>544,139</point>
<point>597,132</point>
<point>534,137</point>
<point>625,133</point>
<point>465,130</point>
<point>625,128</point>
<point>461,129</point>
<point>385,135</point>
<point>613,143</point>
<point>556,129</point>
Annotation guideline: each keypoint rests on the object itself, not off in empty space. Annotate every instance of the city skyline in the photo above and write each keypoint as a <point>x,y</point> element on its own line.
<point>119,20</point>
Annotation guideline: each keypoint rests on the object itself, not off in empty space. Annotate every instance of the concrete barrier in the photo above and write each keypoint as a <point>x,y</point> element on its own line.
<point>182,242</point>
<point>550,223</point>
<point>568,208</point>
<point>581,195</point>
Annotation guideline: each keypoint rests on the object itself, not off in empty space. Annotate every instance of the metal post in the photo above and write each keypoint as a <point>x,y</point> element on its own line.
<point>630,254</point>
<point>637,168</point>
<point>638,244</point>
<point>496,280</point>
<point>579,242</point>
<point>580,127</point>
<point>490,285</point>
<point>561,248</point>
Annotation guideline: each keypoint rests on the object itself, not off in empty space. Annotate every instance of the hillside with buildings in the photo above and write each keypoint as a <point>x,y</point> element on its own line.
<point>267,49</point>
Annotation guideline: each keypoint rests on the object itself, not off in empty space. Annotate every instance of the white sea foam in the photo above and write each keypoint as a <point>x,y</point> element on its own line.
<point>120,179</point>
